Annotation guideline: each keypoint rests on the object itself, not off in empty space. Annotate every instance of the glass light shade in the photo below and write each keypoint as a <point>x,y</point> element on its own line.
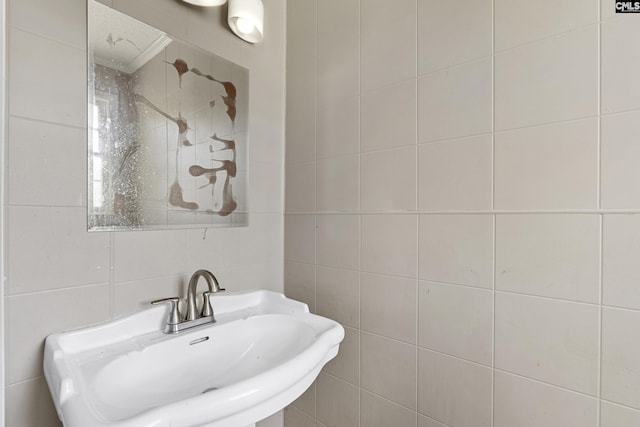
<point>246,19</point>
<point>206,3</point>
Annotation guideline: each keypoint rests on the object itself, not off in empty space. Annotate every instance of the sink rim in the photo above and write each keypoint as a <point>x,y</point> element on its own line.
<point>241,401</point>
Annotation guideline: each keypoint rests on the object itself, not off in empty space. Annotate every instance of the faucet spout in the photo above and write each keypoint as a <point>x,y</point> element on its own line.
<point>212,283</point>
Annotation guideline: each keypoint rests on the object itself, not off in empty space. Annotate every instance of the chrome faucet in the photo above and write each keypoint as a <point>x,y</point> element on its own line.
<point>174,322</point>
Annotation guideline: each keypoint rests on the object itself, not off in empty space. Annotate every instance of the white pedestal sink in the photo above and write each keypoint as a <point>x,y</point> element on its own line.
<point>262,353</point>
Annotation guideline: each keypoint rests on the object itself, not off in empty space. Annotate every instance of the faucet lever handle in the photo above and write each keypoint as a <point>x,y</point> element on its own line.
<point>207,309</point>
<point>173,318</point>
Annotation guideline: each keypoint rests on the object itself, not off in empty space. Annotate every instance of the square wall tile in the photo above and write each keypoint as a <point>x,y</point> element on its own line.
<point>378,412</point>
<point>338,243</point>
<point>300,283</point>
<point>453,391</point>
<point>43,18</point>
<point>338,402</point>
<point>338,49</point>
<point>388,180</point>
<point>618,64</point>
<point>131,297</point>
<point>30,57</point>
<point>518,22</point>
<point>428,422</point>
<point>620,275</point>
<point>548,340</point>
<point>149,254</point>
<point>29,403</point>
<point>620,355</point>
<point>388,306</point>
<point>388,42</point>
<point>300,187</point>
<point>388,117</point>
<point>296,418</point>
<point>260,242</point>
<point>551,80</point>
<point>612,415</point>
<point>525,403</point>
<point>466,28</point>
<point>549,255</point>
<point>338,131</point>
<point>300,238</point>
<point>266,181</point>
<point>389,244</point>
<point>301,82</point>
<point>47,164</point>
<point>456,174</point>
<point>547,167</point>
<point>64,309</point>
<point>338,295</point>
<point>337,184</point>
<point>307,402</point>
<point>620,154</point>
<point>388,368</point>
<point>455,102</point>
<point>346,365</point>
<point>457,249</point>
<point>55,243</point>
<point>457,320</point>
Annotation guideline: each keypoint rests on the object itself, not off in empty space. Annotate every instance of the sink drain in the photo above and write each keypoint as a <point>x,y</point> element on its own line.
<point>209,389</point>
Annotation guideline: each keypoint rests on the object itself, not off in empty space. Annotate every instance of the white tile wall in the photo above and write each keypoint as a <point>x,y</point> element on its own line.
<point>456,174</point>
<point>454,391</point>
<point>550,80</point>
<point>387,42</point>
<point>388,117</point>
<point>621,241</point>
<point>549,255</point>
<point>547,167</point>
<point>457,249</point>
<point>620,352</point>
<point>388,180</point>
<point>457,320</point>
<point>389,244</point>
<point>455,102</point>
<point>467,29</point>
<point>61,277</point>
<point>548,340</point>
<point>503,250</point>
<point>526,403</point>
<point>389,369</point>
<point>518,22</point>
<point>613,415</point>
<point>620,154</point>
<point>617,66</point>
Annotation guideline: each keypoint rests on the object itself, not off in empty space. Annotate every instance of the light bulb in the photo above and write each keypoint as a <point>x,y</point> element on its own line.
<point>244,26</point>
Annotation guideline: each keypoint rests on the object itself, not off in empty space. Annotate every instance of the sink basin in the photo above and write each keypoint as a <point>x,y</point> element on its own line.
<point>263,352</point>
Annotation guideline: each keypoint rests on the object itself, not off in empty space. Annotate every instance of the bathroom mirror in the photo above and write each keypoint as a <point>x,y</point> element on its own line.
<point>167,130</point>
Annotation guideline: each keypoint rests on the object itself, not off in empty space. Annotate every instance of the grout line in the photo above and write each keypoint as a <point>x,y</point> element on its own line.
<point>112,274</point>
<point>599,204</point>
<point>417,205</point>
<point>458,212</point>
<point>600,317</point>
<point>548,384</point>
<point>493,207</point>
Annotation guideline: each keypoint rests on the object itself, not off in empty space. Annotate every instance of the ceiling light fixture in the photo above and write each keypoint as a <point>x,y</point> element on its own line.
<point>246,17</point>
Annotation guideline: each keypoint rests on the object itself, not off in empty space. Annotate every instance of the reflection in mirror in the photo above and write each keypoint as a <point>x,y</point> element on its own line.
<point>167,130</point>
